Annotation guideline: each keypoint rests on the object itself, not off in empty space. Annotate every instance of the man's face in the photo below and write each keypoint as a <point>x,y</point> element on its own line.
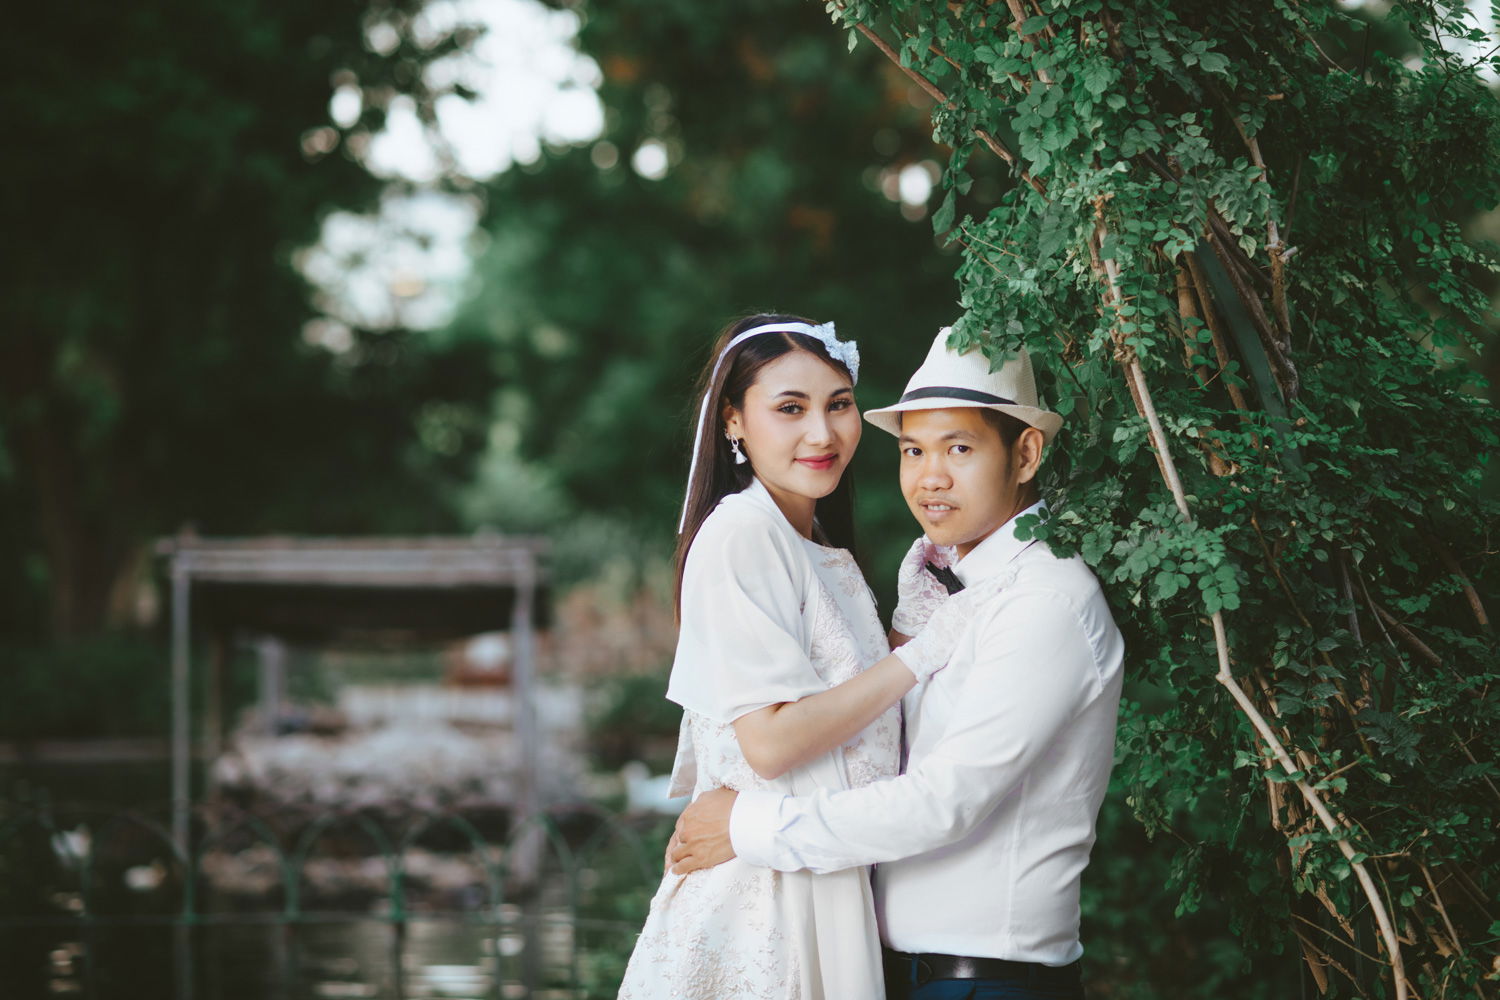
<point>959,479</point>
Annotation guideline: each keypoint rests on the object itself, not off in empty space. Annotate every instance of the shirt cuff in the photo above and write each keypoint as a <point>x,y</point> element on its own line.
<point>753,823</point>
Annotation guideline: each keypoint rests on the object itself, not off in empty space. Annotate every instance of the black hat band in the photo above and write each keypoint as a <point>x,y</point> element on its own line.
<point>954,392</point>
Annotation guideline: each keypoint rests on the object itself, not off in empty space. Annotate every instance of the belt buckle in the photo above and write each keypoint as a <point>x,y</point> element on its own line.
<point>922,969</point>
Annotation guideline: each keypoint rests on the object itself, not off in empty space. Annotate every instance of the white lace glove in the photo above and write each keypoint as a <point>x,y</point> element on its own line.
<point>933,647</point>
<point>918,592</point>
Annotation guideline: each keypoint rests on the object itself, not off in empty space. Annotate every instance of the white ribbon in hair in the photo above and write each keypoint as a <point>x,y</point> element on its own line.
<point>844,351</point>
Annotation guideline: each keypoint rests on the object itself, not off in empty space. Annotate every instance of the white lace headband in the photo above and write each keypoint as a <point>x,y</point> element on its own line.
<point>844,351</point>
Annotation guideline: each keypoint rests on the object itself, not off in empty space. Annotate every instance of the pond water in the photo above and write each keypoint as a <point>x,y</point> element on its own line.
<point>362,959</point>
<point>582,915</point>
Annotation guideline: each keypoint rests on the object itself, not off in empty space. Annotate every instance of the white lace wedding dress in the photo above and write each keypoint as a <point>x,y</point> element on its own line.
<point>767,617</point>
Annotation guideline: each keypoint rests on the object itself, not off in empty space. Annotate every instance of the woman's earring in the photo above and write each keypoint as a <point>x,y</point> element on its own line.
<point>734,446</point>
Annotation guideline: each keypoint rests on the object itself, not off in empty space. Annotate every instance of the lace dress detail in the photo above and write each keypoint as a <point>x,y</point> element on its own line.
<point>838,654</point>
<point>738,932</point>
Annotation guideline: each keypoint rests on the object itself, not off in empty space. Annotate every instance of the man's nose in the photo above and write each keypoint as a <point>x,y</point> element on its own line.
<point>933,474</point>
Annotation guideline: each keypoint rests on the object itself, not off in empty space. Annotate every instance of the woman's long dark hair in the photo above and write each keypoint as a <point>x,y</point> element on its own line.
<point>716,475</point>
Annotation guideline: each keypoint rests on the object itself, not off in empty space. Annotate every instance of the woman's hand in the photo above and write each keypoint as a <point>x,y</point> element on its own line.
<point>931,649</point>
<point>918,592</point>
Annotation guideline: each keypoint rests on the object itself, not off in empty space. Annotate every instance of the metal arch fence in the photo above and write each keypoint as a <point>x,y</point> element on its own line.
<point>552,902</point>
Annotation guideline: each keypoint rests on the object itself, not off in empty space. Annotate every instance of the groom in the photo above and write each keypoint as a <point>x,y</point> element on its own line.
<point>982,840</point>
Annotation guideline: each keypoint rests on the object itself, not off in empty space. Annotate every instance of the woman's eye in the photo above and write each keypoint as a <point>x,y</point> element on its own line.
<point>841,404</point>
<point>791,409</point>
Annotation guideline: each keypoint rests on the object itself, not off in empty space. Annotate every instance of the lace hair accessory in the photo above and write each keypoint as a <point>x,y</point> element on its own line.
<point>846,352</point>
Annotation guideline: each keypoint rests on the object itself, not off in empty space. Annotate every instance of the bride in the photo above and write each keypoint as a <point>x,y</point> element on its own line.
<point>782,670</point>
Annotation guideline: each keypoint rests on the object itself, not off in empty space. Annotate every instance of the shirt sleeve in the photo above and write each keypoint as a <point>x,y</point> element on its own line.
<point>741,644</point>
<point>1034,671</point>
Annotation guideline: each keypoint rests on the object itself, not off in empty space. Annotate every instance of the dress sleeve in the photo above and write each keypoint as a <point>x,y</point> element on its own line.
<point>742,643</point>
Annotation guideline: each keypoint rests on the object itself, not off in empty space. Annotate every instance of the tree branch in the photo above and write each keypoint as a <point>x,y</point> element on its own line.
<point>1287,379</point>
<point>1274,247</point>
<point>931,90</point>
<point>1381,618</point>
<point>1377,905</point>
<point>1437,899</point>
<point>1475,604</point>
<point>1221,346</point>
<point>1407,636</point>
<point>1208,441</point>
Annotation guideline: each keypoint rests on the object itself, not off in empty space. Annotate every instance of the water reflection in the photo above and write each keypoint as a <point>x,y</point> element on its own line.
<point>431,959</point>
<point>470,982</point>
<point>66,968</point>
<point>93,904</point>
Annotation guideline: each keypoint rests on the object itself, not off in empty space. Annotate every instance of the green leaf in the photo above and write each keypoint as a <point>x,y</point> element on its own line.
<point>1097,76</point>
<point>942,218</point>
<point>1213,62</point>
<point>1056,229</point>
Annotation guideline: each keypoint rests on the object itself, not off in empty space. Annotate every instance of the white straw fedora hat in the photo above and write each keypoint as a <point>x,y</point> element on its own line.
<point>948,379</point>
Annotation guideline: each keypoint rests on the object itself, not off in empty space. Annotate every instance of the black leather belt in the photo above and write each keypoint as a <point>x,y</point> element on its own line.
<point>928,966</point>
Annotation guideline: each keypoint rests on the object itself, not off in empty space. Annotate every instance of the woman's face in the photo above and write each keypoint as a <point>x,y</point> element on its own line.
<point>799,427</point>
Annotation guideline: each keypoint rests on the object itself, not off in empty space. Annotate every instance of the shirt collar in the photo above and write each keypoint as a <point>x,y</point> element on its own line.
<point>991,555</point>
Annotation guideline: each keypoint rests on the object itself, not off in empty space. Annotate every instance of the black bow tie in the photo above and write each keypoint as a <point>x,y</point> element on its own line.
<point>946,577</point>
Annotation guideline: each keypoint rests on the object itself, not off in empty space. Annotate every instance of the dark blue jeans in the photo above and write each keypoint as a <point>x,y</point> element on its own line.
<point>1036,983</point>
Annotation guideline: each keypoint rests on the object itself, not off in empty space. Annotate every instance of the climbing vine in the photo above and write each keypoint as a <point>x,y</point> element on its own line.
<point>1235,240</point>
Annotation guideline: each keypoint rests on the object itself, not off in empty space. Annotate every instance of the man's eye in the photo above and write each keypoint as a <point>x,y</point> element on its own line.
<point>960,449</point>
<point>912,452</point>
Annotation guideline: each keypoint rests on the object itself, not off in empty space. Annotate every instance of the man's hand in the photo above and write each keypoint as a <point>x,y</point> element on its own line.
<point>701,839</point>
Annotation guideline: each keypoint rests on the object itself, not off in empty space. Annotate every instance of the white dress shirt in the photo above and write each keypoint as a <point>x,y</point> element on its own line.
<point>983,839</point>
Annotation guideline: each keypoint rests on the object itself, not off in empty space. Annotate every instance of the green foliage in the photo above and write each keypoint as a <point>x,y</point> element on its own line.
<point>93,688</point>
<point>115,685</point>
<point>630,720</point>
<point>1264,207</point>
<point>164,164</point>
<point>619,876</point>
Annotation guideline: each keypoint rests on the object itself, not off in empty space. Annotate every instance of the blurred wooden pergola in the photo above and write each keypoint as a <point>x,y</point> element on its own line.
<point>327,590</point>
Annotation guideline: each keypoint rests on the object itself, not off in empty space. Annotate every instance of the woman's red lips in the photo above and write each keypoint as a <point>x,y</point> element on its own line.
<point>822,463</point>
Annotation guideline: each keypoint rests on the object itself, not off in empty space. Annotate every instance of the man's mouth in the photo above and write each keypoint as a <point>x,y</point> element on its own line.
<point>819,463</point>
<point>936,509</point>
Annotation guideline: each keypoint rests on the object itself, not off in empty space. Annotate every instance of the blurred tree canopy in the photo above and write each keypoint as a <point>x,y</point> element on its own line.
<point>603,288</point>
<point>164,164</point>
